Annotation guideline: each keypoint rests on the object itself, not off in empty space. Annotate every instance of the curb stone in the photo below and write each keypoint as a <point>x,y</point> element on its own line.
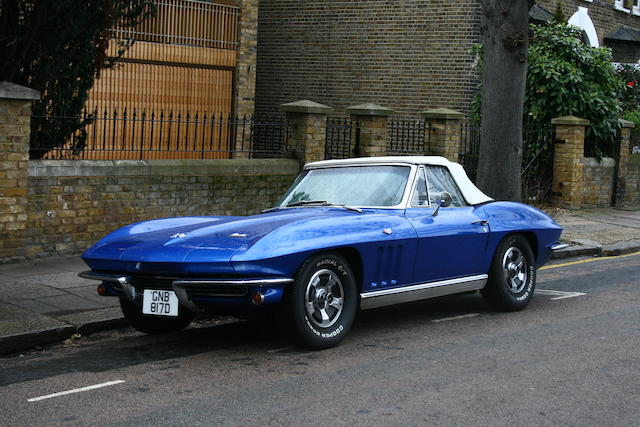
<point>621,248</point>
<point>14,343</point>
<point>615,249</point>
<point>576,251</point>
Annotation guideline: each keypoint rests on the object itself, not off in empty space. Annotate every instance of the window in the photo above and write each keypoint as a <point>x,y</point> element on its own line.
<point>623,5</point>
<point>350,185</point>
<point>439,179</point>
<point>420,197</point>
<point>636,7</point>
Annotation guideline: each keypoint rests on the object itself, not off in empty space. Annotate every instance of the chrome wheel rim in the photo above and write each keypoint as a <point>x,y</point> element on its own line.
<point>324,298</point>
<point>514,267</point>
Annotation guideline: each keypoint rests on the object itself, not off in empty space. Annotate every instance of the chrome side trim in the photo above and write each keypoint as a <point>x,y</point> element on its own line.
<point>247,282</point>
<point>558,246</point>
<point>421,291</point>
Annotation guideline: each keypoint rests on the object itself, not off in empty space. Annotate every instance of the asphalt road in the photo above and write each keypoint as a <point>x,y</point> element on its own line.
<point>568,359</point>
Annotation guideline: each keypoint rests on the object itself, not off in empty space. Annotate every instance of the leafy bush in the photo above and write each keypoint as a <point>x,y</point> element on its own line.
<point>634,116</point>
<point>630,75</point>
<point>567,77</point>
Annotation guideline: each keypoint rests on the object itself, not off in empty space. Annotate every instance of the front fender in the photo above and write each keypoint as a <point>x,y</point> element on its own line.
<point>510,217</point>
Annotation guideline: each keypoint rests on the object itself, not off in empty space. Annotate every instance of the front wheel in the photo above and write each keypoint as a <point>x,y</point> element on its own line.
<point>512,278</point>
<point>322,302</point>
<point>150,324</point>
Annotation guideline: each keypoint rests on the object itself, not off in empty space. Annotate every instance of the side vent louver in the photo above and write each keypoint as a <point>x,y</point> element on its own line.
<point>387,266</point>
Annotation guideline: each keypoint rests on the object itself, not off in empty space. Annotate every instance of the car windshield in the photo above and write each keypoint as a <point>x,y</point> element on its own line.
<point>350,186</point>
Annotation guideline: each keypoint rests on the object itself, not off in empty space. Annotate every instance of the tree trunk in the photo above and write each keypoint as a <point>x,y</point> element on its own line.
<point>505,36</point>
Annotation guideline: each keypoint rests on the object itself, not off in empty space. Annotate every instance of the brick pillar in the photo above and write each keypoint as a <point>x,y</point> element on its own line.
<point>622,161</point>
<point>445,132</point>
<point>247,53</point>
<point>372,127</point>
<point>568,161</point>
<point>307,122</point>
<point>15,130</point>
<point>245,76</point>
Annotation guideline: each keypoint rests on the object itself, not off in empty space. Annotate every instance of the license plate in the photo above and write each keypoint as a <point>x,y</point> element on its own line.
<point>160,303</point>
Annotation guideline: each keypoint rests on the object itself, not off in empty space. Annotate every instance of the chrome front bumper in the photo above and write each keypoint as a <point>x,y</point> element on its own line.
<point>181,287</point>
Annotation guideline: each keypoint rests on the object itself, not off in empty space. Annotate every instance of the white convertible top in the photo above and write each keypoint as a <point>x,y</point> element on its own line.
<point>471,193</point>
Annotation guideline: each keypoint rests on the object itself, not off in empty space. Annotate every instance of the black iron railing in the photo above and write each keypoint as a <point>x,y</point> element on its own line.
<point>538,148</point>
<point>408,136</point>
<point>162,135</point>
<point>342,138</point>
<point>537,160</point>
<point>469,149</point>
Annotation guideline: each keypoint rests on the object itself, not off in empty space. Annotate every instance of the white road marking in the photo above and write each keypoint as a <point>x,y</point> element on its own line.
<point>462,316</point>
<point>558,294</point>
<point>75,390</point>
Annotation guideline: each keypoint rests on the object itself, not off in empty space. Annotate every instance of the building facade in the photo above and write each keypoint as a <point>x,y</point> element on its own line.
<point>409,55</point>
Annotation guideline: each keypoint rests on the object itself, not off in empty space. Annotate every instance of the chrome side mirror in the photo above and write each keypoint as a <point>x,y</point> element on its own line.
<point>445,200</point>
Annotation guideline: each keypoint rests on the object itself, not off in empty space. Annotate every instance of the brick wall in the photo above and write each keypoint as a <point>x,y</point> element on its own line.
<point>246,68</point>
<point>597,189</point>
<point>72,204</point>
<point>410,55</point>
<point>633,180</point>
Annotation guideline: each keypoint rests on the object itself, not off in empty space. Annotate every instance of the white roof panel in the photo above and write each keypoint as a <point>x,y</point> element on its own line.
<point>471,193</point>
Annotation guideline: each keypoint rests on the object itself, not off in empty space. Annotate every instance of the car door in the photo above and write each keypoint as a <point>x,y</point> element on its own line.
<point>451,240</point>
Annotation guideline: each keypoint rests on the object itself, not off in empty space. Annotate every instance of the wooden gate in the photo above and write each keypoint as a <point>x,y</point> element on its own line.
<point>180,62</point>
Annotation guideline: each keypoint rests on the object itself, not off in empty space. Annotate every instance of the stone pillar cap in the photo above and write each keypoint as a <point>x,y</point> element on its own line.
<point>570,120</point>
<point>626,123</point>
<point>369,109</point>
<point>442,113</point>
<point>305,106</point>
<point>10,90</point>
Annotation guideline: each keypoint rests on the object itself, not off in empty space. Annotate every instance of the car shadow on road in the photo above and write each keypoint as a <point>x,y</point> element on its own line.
<point>125,348</point>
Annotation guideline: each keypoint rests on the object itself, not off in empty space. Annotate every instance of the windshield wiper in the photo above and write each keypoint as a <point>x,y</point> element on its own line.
<point>351,208</point>
<point>309,202</point>
<point>314,203</point>
<point>300,203</point>
<point>323,203</point>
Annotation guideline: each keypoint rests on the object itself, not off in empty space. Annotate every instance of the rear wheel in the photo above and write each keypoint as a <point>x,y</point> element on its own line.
<point>322,301</point>
<point>150,324</point>
<point>512,279</point>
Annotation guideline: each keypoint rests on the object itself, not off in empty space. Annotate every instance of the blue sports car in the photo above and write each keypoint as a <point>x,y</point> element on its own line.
<point>348,235</point>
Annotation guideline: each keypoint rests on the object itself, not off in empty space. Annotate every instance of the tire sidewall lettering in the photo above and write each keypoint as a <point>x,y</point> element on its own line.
<point>327,335</point>
<point>338,267</point>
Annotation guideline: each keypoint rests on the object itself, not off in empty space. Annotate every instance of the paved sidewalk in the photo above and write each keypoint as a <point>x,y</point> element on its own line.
<point>44,301</point>
<point>600,232</point>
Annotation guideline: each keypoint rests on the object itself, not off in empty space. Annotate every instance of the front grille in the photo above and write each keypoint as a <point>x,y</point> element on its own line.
<point>193,290</point>
<point>150,282</point>
<point>212,291</point>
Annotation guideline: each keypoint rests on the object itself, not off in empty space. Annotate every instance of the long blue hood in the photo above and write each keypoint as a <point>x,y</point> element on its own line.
<point>195,239</point>
<point>195,245</point>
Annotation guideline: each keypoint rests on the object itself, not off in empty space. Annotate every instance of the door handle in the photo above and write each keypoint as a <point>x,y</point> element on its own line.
<point>482,222</point>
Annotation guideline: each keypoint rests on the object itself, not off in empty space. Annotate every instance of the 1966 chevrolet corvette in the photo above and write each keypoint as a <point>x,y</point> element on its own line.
<point>348,235</point>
